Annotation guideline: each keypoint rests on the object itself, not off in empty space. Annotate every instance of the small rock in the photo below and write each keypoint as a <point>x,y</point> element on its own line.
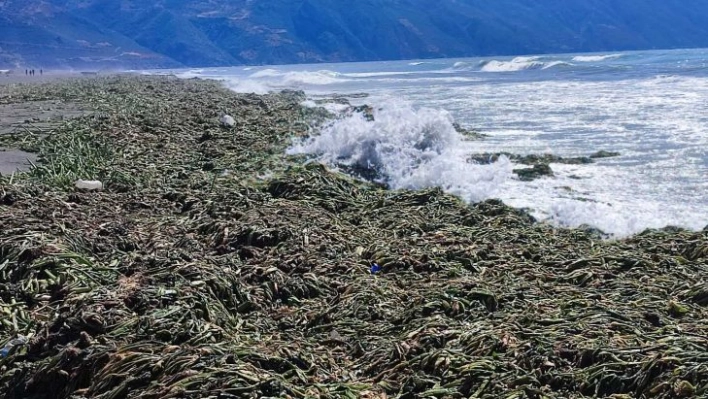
<point>604,154</point>
<point>528,174</point>
<point>366,110</point>
<point>335,335</point>
<point>89,185</point>
<point>227,120</point>
<point>593,231</point>
<point>471,134</point>
<point>531,159</point>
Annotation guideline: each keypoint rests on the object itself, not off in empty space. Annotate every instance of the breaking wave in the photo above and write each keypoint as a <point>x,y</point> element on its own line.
<point>415,148</point>
<point>517,64</point>
<point>322,77</point>
<point>246,86</point>
<point>407,148</point>
<point>596,58</point>
<point>193,73</point>
<point>554,64</point>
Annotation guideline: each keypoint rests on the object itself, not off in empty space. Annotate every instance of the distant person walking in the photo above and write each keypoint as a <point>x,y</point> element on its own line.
<point>26,72</point>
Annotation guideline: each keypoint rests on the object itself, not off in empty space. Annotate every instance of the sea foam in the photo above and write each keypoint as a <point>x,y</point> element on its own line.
<point>418,147</point>
<point>596,58</point>
<point>410,148</point>
<point>517,64</point>
<point>279,78</point>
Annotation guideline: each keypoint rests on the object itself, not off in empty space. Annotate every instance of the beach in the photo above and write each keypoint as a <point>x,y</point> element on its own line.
<point>35,116</point>
<point>213,264</point>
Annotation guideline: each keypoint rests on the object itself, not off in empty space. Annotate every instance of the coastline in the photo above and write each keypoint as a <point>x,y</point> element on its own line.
<point>25,117</point>
<point>212,263</point>
<point>18,77</point>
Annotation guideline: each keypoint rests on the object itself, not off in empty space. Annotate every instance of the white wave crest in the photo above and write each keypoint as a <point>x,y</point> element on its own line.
<point>194,73</point>
<point>266,73</point>
<point>376,74</point>
<point>554,64</point>
<point>618,218</point>
<point>246,86</point>
<point>596,58</point>
<point>333,107</point>
<point>517,64</point>
<point>411,148</point>
<point>278,78</point>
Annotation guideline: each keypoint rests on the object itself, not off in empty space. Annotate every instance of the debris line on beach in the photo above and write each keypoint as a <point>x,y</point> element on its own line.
<point>212,264</point>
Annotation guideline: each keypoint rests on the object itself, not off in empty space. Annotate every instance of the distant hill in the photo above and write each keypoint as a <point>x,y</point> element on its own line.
<point>93,34</point>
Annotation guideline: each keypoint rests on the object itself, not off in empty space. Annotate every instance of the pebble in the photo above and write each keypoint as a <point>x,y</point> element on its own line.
<point>89,185</point>
<point>227,120</point>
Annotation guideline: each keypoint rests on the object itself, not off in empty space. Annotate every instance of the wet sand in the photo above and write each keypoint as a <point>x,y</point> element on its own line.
<point>18,76</point>
<point>12,161</point>
<point>38,117</point>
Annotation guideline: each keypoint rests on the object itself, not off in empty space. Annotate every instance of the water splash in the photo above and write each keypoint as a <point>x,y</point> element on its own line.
<point>408,148</point>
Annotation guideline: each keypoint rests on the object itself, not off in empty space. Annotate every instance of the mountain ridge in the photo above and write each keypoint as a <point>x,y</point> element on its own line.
<point>130,34</point>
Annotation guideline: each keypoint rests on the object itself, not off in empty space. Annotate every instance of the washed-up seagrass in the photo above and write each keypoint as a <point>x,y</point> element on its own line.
<point>213,265</point>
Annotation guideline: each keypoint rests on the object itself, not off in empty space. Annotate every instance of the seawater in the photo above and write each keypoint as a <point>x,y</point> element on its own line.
<point>652,107</point>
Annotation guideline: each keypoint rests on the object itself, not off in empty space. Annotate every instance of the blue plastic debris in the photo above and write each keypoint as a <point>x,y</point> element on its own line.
<point>5,351</point>
<point>375,268</point>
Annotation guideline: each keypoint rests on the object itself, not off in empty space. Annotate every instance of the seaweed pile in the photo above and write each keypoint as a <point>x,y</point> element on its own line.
<point>539,163</point>
<point>213,265</point>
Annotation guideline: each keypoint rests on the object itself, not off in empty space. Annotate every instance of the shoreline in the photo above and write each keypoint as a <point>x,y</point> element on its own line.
<point>531,166</point>
<point>50,76</point>
<point>16,77</point>
<point>40,116</point>
<point>212,263</point>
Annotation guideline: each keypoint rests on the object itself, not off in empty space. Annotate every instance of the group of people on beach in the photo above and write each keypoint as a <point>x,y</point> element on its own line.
<point>31,72</point>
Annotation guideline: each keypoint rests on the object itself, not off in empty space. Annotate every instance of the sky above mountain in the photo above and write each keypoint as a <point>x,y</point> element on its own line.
<point>125,34</point>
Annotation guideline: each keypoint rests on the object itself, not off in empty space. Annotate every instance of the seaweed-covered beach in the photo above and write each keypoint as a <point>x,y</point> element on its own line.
<point>212,265</point>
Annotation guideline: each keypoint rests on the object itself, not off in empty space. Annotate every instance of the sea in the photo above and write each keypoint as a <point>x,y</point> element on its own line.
<point>650,106</point>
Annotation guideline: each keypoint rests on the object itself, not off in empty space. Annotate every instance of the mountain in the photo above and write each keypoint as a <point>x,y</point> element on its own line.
<point>171,33</point>
<point>42,34</point>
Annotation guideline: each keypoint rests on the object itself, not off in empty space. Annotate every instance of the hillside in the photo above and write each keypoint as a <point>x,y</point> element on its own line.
<point>167,33</point>
<point>42,34</point>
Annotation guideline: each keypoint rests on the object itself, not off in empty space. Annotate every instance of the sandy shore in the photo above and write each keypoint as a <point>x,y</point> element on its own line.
<point>18,116</point>
<point>18,76</point>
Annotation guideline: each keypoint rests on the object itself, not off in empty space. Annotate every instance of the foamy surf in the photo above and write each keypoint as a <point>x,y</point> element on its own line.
<point>246,86</point>
<point>650,108</point>
<point>415,148</point>
<point>410,148</point>
<point>193,73</point>
<point>517,64</point>
<point>596,58</point>
<point>288,78</point>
